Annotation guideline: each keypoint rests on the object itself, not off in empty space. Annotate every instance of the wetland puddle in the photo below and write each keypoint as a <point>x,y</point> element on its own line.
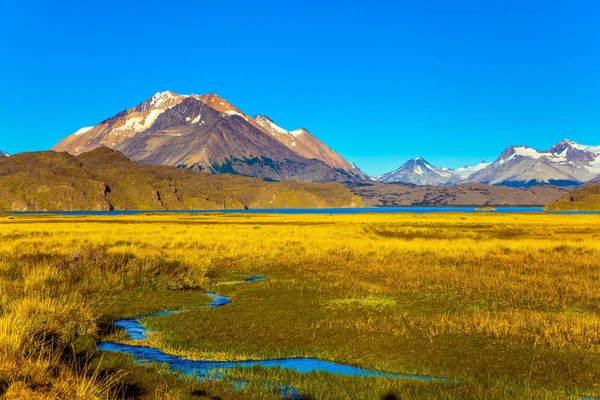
<point>210,370</point>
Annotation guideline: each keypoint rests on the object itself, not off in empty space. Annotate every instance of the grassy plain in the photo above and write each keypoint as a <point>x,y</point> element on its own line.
<point>502,305</point>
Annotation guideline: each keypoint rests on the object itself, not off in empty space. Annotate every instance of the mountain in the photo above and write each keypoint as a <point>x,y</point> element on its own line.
<point>564,164</point>
<point>4,154</point>
<point>304,143</point>
<point>376,194</point>
<point>120,127</point>
<point>208,133</point>
<point>105,179</point>
<point>586,198</point>
<point>465,172</point>
<point>419,172</point>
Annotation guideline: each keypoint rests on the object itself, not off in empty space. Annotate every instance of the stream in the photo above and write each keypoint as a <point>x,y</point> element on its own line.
<point>210,370</point>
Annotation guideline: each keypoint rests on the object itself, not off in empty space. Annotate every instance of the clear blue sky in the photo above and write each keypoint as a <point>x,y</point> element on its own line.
<point>380,82</point>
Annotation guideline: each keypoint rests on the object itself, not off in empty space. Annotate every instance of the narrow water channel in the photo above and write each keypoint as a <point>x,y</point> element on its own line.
<point>210,370</point>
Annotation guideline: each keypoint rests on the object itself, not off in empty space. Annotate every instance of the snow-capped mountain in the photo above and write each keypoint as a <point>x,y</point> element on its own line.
<point>419,172</point>
<point>464,172</point>
<point>565,164</point>
<point>4,154</point>
<point>122,126</point>
<point>207,132</point>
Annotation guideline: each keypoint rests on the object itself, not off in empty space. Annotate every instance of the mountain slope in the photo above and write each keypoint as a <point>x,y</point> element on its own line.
<point>299,141</point>
<point>304,143</point>
<point>586,198</point>
<point>419,172</point>
<point>194,135</point>
<point>4,154</point>
<point>209,133</point>
<point>566,163</point>
<point>104,179</point>
<point>120,127</point>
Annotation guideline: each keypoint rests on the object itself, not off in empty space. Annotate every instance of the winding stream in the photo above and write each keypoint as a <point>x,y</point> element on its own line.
<point>210,370</point>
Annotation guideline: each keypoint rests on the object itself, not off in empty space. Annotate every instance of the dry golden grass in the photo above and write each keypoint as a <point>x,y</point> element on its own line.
<point>525,280</point>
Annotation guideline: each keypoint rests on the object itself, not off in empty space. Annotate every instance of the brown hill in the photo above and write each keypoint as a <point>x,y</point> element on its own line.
<point>104,179</point>
<point>585,198</point>
<point>469,194</point>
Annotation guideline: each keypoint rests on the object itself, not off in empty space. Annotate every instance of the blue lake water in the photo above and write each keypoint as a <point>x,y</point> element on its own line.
<point>210,370</point>
<point>292,211</point>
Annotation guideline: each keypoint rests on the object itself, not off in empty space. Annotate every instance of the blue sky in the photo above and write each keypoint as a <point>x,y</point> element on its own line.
<point>380,82</point>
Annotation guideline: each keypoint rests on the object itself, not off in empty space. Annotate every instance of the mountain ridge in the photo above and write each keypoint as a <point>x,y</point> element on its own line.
<point>209,133</point>
<point>565,164</point>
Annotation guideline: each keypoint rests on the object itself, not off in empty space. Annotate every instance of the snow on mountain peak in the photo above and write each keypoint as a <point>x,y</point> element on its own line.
<point>268,123</point>
<point>4,154</point>
<point>466,171</point>
<point>298,132</point>
<point>83,130</point>
<point>577,146</point>
<point>161,98</point>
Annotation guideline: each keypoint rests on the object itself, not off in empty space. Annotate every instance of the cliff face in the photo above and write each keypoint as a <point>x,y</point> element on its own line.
<point>104,179</point>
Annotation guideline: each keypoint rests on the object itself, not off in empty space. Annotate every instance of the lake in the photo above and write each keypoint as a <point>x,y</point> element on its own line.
<point>292,211</point>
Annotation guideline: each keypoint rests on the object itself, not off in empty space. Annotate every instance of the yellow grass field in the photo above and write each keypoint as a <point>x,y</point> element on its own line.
<point>501,305</point>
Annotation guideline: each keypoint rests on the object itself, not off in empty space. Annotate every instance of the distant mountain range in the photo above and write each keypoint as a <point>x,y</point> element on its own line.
<point>564,164</point>
<point>207,133</point>
<point>4,154</point>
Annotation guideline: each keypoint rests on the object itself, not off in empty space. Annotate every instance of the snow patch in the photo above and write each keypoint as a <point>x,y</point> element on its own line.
<point>161,98</point>
<point>83,130</point>
<point>270,125</point>
<point>594,167</point>
<point>525,151</point>
<point>233,112</point>
<point>591,149</point>
<point>465,172</point>
<point>139,124</point>
<point>197,119</point>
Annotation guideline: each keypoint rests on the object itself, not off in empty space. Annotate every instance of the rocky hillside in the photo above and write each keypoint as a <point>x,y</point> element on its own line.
<point>104,179</point>
<point>377,194</point>
<point>208,133</point>
<point>586,198</point>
